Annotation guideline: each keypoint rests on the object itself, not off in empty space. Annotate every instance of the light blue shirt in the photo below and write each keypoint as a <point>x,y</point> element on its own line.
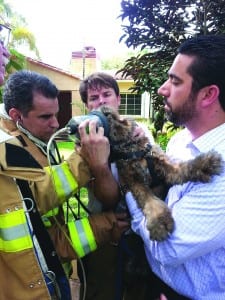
<point>192,259</point>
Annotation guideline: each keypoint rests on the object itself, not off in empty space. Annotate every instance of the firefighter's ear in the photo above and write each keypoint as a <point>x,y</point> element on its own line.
<point>15,115</point>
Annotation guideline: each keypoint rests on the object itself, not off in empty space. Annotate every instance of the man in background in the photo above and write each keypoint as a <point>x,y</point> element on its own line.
<point>105,269</point>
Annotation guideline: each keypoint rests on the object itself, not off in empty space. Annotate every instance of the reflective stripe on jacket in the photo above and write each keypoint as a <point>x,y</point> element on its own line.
<point>63,180</point>
<point>14,232</point>
<point>82,236</point>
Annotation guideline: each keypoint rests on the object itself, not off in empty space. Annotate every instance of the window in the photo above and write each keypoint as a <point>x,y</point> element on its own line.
<point>130,104</point>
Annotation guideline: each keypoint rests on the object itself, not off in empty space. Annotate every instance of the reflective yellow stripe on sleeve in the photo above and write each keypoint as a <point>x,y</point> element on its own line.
<point>64,181</point>
<point>82,237</point>
<point>14,232</point>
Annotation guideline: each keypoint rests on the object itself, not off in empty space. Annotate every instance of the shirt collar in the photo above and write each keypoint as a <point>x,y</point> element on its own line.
<point>210,139</point>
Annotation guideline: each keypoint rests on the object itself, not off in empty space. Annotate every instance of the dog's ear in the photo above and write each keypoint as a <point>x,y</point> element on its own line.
<point>120,130</point>
<point>106,110</point>
<point>124,121</point>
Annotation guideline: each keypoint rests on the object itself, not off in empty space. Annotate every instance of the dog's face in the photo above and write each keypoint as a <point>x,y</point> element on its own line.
<point>120,130</point>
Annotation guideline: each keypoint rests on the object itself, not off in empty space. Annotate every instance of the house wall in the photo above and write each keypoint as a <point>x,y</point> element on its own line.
<point>124,86</point>
<point>64,82</point>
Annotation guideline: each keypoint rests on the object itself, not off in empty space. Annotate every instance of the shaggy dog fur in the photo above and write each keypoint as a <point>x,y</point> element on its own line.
<point>147,172</point>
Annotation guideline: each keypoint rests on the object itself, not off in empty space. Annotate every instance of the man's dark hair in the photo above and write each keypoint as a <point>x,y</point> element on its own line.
<point>21,87</point>
<point>96,81</point>
<point>208,66</point>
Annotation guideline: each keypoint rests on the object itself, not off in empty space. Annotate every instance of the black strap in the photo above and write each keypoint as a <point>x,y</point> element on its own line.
<point>156,180</point>
<point>76,215</point>
<point>40,231</point>
<point>114,156</point>
<point>132,155</point>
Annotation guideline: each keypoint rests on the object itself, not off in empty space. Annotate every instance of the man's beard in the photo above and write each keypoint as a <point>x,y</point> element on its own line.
<point>182,114</point>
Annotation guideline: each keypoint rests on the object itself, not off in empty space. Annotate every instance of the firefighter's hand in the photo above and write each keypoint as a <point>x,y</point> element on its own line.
<point>94,146</point>
<point>109,226</point>
<point>122,225</point>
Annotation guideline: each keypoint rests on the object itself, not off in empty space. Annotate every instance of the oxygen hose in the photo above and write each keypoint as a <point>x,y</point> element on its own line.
<point>61,131</point>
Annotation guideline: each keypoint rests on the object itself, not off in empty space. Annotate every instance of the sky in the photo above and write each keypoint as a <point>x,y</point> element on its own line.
<point>61,27</point>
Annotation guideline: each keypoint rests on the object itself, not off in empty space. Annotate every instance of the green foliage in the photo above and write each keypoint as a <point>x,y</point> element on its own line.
<point>5,11</point>
<point>17,62</point>
<point>113,63</point>
<point>163,137</point>
<point>65,145</point>
<point>158,27</point>
<point>23,36</point>
<point>20,34</point>
<point>72,206</point>
<point>116,62</point>
<point>162,140</point>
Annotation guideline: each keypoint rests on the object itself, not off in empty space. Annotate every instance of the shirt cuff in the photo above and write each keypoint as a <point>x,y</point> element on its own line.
<point>138,220</point>
<point>134,209</point>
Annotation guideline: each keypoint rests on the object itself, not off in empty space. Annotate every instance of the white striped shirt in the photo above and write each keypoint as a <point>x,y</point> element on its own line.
<point>192,259</point>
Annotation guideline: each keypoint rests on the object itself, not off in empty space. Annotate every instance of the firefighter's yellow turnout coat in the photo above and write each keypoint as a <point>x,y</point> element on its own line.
<point>20,271</point>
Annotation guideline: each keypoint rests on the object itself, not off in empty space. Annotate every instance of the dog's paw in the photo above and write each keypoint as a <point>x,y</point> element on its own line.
<point>207,165</point>
<point>159,220</point>
<point>161,227</point>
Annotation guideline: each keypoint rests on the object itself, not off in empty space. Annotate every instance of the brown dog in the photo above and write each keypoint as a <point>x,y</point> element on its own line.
<point>147,172</point>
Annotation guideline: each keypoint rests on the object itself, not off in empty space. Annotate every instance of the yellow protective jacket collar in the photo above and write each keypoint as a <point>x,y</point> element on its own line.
<point>17,162</point>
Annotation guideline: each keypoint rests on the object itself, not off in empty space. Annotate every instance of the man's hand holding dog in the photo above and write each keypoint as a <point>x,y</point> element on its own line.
<point>95,149</point>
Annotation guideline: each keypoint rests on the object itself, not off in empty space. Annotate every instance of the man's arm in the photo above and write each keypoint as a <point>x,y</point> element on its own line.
<point>199,214</point>
<point>79,237</point>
